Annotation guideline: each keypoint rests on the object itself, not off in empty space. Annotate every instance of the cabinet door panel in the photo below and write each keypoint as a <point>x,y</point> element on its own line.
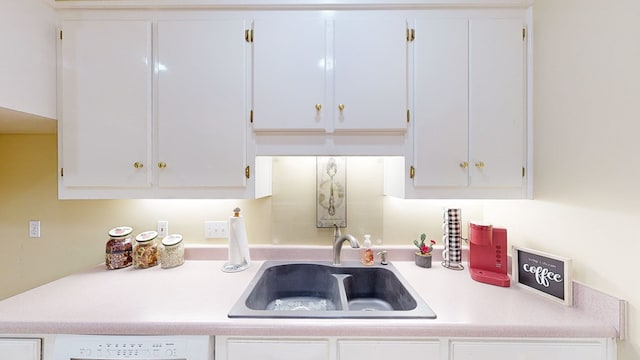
<point>20,349</point>
<point>370,71</point>
<point>526,351</point>
<point>387,349</point>
<point>441,106</point>
<point>277,349</point>
<point>201,103</point>
<point>106,103</point>
<point>496,102</point>
<point>289,77</point>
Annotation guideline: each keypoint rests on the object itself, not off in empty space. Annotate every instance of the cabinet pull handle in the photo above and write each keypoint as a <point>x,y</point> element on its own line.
<point>318,107</point>
<point>341,107</point>
<point>138,165</point>
<point>480,165</point>
<point>464,164</point>
<point>162,164</point>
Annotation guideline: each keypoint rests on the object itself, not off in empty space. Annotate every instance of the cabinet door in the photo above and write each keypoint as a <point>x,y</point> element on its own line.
<point>201,103</point>
<point>20,349</point>
<point>289,73</point>
<point>496,102</point>
<point>243,349</point>
<point>370,72</point>
<point>492,350</point>
<point>387,349</point>
<point>105,130</point>
<point>28,61</point>
<point>441,103</point>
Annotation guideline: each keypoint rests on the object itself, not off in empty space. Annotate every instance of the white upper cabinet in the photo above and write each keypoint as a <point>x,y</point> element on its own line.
<point>28,61</point>
<point>469,135</point>
<point>497,102</point>
<point>201,104</point>
<point>370,72</point>
<point>154,109</point>
<point>441,103</point>
<point>105,129</point>
<point>330,73</point>
<point>289,73</point>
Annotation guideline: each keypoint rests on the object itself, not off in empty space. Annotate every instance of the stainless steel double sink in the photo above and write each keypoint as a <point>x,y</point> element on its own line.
<point>283,289</point>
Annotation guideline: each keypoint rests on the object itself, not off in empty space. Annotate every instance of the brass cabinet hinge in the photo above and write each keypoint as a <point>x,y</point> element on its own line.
<point>524,172</point>
<point>251,116</point>
<point>408,116</point>
<point>247,172</point>
<point>524,33</point>
<point>412,172</point>
<point>61,35</point>
<point>411,35</point>
<point>248,35</point>
<point>62,172</point>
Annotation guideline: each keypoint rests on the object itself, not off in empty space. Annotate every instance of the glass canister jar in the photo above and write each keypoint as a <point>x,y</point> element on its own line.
<point>118,248</point>
<point>145,253</point>
<point>172,253</point>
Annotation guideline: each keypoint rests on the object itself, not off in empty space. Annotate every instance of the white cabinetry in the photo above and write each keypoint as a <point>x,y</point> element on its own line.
<point>381,348</point>
<point>469,135</point>
<point>105,129</point>
<point>201,104</point>
<point>28,61</point>
<point>20,349</point>
<point>232,348</point>
<point>341,72</point>
<point>529,350</point>
<point>153,109</point>
<point>285,349</point>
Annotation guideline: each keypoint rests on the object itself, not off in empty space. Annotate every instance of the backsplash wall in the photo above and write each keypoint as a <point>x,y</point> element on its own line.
<point>74,232</point>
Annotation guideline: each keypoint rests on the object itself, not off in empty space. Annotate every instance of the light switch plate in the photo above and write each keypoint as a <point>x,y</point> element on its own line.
<point>216,229</point>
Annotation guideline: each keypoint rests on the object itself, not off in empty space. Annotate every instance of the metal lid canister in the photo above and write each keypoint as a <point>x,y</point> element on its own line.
<point>172,253</point>
<point>145,252</point>
<point>118,248</point>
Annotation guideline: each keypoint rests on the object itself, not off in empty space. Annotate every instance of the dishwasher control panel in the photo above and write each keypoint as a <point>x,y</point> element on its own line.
<point>108,347</point>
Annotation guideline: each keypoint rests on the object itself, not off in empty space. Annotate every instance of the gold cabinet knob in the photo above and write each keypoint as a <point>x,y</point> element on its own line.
<point>341,107</point>
<point>464,164</point>
<point>480,165</point>
<point>162,164</point>
<point>138,165</point>
<point>318,107</point>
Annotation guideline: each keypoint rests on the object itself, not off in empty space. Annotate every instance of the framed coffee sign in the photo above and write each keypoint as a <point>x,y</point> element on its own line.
<point>546,274</point>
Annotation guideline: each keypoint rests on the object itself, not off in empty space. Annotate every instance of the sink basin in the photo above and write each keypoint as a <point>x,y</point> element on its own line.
<point>322,290</point>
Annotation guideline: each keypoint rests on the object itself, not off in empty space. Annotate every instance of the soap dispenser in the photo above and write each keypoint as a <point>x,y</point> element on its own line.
<point>367,252</point>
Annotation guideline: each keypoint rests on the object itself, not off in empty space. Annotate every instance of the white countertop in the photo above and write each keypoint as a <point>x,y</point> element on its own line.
<point>194,299</point>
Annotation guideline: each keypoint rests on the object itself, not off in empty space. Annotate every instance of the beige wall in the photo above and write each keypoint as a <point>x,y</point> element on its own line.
<point>587,193</point>
<point>587,165</point>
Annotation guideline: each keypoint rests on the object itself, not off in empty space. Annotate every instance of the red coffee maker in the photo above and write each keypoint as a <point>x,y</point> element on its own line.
<point>488,254</point>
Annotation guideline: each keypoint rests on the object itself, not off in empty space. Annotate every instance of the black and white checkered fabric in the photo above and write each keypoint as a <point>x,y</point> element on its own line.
<point>452,237</point>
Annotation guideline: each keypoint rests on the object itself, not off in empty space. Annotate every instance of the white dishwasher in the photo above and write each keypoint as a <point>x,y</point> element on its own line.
<point>133,347</point>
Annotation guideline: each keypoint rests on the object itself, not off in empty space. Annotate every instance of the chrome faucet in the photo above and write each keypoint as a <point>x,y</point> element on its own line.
<point>338,240</point>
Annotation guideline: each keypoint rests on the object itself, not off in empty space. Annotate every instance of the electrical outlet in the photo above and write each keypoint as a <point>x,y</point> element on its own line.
<point>216,229</point>
<point>34,228</point>
<point>163,228</point>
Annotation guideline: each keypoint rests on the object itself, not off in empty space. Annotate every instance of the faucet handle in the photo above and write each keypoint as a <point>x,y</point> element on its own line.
<point>336,231</point>
<point>383,257</point>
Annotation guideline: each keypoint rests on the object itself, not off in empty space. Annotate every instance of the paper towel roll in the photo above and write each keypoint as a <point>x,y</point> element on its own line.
<point>238,242</point>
